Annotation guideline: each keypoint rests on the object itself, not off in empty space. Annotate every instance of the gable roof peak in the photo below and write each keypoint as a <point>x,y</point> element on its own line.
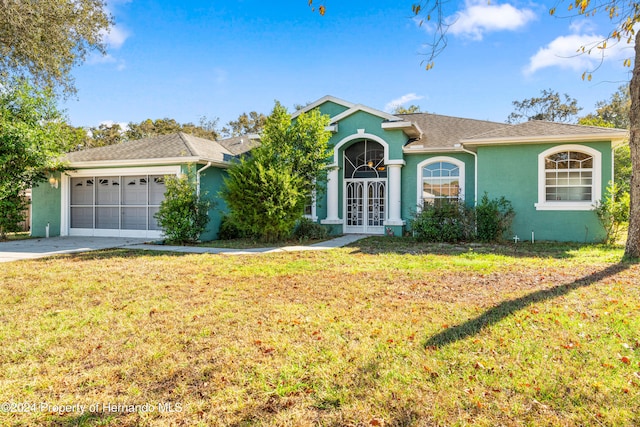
<point>326,98</point>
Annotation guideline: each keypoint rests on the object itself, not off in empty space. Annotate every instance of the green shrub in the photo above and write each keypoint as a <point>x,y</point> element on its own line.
<point>309,230</point>
<point>613,212</point>
<point>229,229</point>
<point>443,221</point>
<point>183,214</point>
<point>264,199</point>
<point>493,218</point>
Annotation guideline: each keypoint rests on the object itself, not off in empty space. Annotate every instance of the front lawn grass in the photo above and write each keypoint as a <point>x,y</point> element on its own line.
<point>382,333</point>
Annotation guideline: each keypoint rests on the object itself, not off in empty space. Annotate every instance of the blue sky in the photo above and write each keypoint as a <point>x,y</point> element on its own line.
<point>188,59</point>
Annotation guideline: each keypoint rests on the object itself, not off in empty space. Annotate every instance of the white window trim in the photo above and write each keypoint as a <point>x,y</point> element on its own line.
<point>314,216</point>
<point>596,190</point>
<point>459,163</point>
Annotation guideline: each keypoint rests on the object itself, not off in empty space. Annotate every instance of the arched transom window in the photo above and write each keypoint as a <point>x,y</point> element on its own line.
<point>364,159</point>
<point>568,176</point>
<point>440,179</point>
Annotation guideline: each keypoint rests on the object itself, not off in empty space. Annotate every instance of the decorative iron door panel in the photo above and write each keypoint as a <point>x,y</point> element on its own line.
<point>365,205</point>
<point>355,203</point>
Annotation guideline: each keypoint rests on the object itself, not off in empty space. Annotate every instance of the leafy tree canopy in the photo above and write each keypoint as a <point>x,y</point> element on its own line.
<point>253,122</point>
<point>611,113</point>
<point>407,110</point>
<point>114,133</point>
<point>550,106</point>
<point>615,114</point>
<point>45,39</point>
<point>267,191</point>
<point>33,134</point>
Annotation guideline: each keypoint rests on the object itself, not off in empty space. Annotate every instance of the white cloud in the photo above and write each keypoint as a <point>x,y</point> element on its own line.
<point>392,105</point>
<point>480,17</point>
<point>115,37</point>
<point>563,52</point>
<point>96,58</point>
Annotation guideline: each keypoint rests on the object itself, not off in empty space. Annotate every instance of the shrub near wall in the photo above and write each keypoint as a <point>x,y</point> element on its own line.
<point>453,222</point>
<point>444,221</point>
<point>493,218</point>
<point>183,214</point>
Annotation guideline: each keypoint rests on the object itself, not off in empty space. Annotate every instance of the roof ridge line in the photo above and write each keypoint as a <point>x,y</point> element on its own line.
<point>185,139</point>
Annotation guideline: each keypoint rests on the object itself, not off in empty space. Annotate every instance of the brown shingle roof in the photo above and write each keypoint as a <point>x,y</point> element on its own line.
<point>172,146</point>
<point>240,144</point>
<point>542,130</point>
<point>444,132</point>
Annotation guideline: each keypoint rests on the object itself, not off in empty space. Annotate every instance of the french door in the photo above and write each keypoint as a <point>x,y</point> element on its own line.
<point>365,205</point>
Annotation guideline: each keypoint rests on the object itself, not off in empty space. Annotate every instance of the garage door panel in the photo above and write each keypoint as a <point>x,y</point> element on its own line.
<point>134,218</point>
<point>157,189</point>
<point>82,191</point>
<point>116,205</point>
<point>108,218</point>
<point>134,190</point>
<point>153,222</point>
<point>108,191</point>
<point>81,217</point>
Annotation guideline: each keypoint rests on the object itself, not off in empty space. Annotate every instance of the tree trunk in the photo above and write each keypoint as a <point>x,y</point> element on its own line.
<point>633,240</point>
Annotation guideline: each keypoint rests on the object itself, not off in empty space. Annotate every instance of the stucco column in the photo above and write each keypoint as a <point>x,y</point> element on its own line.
<point>395,191</point>
<point>333,193</point>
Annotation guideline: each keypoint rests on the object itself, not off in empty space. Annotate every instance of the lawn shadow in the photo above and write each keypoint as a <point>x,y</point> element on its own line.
<point>85,419</point>
<point>506,308</point>
<point>409,246</point>
<point>109,254</point>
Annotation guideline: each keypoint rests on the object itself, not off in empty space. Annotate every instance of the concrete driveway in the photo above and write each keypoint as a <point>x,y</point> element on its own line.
<point>40,248</point>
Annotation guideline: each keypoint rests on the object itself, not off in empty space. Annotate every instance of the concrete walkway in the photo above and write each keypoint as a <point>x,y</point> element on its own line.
<point>40,248</point>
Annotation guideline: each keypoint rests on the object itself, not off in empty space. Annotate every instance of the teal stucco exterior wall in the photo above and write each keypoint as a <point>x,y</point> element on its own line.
<point>512,171</point>
<point>211,183</point>
<point>46,209</point>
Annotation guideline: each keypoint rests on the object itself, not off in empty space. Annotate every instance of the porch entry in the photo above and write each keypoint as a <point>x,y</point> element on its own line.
<point>365,188</point>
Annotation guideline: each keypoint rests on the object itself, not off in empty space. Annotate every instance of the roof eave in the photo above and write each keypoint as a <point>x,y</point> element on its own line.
<point>614,138</point>
<point>411,129</point>
<point>327,98</point>
<point>423,150</point>
<point>146,162</point>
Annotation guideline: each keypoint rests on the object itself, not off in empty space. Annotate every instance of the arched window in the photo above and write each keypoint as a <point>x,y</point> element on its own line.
<point>569,178</point>
<point>364,159</point>
<point>439,179</point>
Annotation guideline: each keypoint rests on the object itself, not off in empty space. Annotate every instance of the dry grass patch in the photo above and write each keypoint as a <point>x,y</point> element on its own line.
<point>367,335</point>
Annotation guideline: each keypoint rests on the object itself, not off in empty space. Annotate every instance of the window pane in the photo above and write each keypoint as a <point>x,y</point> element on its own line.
<point>568,176</point>
<point>440,180</point>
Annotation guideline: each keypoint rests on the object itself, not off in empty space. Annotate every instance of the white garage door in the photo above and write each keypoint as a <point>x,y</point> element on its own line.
<point>115,205</point>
